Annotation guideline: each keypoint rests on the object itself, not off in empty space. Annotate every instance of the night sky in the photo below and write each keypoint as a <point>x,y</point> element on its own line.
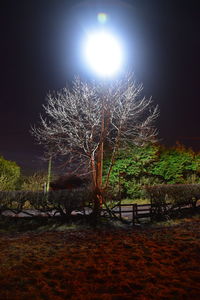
<point>40,52</point>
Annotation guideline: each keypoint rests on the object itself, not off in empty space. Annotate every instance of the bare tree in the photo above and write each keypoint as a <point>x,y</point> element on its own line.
<point>78,123</point>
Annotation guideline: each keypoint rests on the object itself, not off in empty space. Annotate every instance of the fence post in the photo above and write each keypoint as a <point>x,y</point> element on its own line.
<point>151,209</point>
<point>120,211</point>
<point>133,217</point>
<point>135,212</point>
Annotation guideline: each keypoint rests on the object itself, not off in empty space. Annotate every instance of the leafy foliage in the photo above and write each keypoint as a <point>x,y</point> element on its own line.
<point>136,167</point>
<point>9,174</point>
<point>176,165</point>
<point>132,170</point>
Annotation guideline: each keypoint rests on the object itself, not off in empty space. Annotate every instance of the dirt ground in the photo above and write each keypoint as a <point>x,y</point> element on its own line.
<point>117,264</point>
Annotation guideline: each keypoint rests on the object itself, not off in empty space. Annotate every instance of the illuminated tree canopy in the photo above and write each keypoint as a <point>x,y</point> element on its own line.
<point>81,121</point>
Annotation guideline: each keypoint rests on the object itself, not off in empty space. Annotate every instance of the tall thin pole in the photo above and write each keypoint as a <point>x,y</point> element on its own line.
<point>100,154</point>
<point>49,173</point>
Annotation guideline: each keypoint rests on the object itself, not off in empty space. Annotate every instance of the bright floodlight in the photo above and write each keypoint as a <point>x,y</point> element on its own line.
<point>103,53</point>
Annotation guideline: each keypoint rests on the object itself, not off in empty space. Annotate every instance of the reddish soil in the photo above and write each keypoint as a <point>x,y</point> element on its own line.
<point>160,263</point>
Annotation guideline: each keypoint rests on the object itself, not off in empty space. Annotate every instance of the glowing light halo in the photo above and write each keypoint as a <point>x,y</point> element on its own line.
<point>103,53</point>
<point>102,17</point>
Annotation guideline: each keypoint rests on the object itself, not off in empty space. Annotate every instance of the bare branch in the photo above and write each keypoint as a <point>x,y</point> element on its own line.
<point>77,121</point>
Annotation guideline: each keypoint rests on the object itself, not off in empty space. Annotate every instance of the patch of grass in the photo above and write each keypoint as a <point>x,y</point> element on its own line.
<point>14,224</point>
<point>44,224</point>
<point>186,215</point>
<point>138,201</point>
<point>129,201</point>
<point>102,264</point>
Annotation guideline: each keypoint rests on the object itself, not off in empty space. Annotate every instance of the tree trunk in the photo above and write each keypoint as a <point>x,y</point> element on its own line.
<point>99,174</point>
<point>97,184</point>
<point>93,168</point>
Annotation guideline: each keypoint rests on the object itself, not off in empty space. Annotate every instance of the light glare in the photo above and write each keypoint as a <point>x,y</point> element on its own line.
<point>103,53</point>
<point>102,18</point>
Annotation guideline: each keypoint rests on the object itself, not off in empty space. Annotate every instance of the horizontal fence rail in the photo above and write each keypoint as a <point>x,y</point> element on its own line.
<point>141,211</point>
<point>137,211</point>
<point>66,203</point>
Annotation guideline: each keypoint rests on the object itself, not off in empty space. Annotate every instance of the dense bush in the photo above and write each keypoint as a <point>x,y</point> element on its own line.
<point>177,165</point>
<point>136,167</point>
<point>165,198</point>
<point>63,201</point>
<point>131,170</point>
<point>9,175</point>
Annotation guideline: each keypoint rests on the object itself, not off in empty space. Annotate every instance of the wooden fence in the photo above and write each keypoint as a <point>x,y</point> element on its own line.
<point>134,212</point>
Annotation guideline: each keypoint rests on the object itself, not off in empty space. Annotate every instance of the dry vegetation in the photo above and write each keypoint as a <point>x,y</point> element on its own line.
<point>117,264</point>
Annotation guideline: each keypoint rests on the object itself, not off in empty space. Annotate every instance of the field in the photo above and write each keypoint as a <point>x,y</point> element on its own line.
<point>113,263</point>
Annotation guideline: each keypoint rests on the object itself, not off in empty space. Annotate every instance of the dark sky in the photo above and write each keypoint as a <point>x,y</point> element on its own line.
<point>40,51</point>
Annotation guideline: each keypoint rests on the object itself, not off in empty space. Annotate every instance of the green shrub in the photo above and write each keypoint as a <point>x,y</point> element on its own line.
<point>178,195</point>
<point>9,175</point>
<point>177,165</point>
<point>132,170</point>
<point>137,166</point>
